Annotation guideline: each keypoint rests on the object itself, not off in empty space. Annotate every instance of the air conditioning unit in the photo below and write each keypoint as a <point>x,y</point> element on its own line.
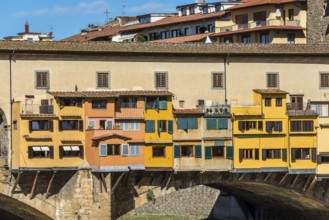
<point>201,102</point>
<point>226,110</point>
<point>209,110</point>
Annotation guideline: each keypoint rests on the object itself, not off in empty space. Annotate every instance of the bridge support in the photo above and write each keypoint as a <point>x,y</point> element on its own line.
<point>50,184</point>
<point>34,184</point>
<point>16,181</point>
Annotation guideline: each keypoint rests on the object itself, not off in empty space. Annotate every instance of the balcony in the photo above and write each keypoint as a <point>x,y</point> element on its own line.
<point>130,113</point>
<point>29,109</point>
<point>258,24</point>
<point>216,110</point>
<point>254,111</point>
<point>300,109</point>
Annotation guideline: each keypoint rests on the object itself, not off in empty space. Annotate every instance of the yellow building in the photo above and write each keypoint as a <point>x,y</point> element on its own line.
<point>158,131</point>
<point>264,21</point>
<point>49,135</point>
<point>260,133</point>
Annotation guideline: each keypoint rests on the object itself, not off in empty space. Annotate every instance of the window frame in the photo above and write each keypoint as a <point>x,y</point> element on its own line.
<point>268,80</point>
<point>222,151</point>
<point>47,81</point>
<point>191,150</point>
<point>326,80</point>
<point>98,86</point>
<point>160,74</point>
<point>62,155</point>
<point>159,147</point>
<point>221,80</point>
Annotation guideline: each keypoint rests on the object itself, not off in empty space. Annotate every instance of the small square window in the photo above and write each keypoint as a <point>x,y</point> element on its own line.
<point>268,102</point>
<point>324,80</point>
<point>162,125</point>
<point>42,80</point>
<point>187,151</point>
<point>278,102</point>
<point>158,151</point>
<point>272,80</point>
<point>161,80</point>
<point>103,80</point>
<point>217,80</point>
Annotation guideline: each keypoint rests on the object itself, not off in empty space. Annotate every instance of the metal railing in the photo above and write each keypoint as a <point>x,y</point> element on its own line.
<point>257,24</point>
<point>300,109</point>
<point>29,109</point>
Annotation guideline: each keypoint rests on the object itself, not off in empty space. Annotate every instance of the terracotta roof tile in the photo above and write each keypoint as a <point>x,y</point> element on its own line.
<point>254,3</point>
<point>111,93</point>
<point>270,91</point>
<point>184,39</point>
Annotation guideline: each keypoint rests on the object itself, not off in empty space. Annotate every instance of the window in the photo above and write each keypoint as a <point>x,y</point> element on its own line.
<point>210,28</point>
<point>186,31</point>
<point>218,7</point>
<point>192,10</point>
<point>161,80</point>
<point>158,151</point>
<point>217,123</point>
<point>113,149</point>
<point>278,102</point>
<point>129,102</point>
<point>245,154</point>
<point>41,125</point>
<point>291,38</point>
<point>273,126</point>
<point>217,80</point>
<point>153,36</point>
<point>153,102</point>
<point>187,151</point>
<point>272,80</point>
<point>129,125</point>
<point>197,30</point>
<point>145,20</point>
<point>306,125</point>
<point>218,151</point>
<point>264,38</point>
<point>40,152</point>
<point>324,80</point>
<point>187,123</point>
<point>14,124</point>
<point>242,21</point>
<point>164,34</point>
<point>247,125</point>
<point>205,10</point>
<point>102,80</point>
<point>91,124</point>
<point>300,153</point>
<point>184,11</point>
<point>291,14</point>
<point>175,33</point>
<point>134,150</point>
<point>162,126</point>
<point>296,102</point>
<point>268,102</point>
<point>70,151</point>
<point>71,125</point>
<point>260,18</point>
<point>320,108</point>
<point>42,80</point>
<point>271,154</point>
<point>71,102</point>
<point>245,38</point>
<point>99,104</point>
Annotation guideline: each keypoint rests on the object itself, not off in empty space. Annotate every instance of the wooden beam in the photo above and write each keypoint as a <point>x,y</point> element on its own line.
<point>283,178</point>
<point>34,184</point>
<point>100,183</point>
<point>16,181</point>
<point>267,177</point>
<point>168,181</point>
<point>241,177</point>
<point>50,184</point>
<point>295,181</point>
<point>104,182</point>
<point>307,182</point>
<point>125,180</point>
<point>117,182</point>
<point>311,185</point>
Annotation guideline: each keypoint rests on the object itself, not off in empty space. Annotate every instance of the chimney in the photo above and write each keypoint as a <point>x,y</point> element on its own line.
<point>27,27</point>
<point>50,34</point>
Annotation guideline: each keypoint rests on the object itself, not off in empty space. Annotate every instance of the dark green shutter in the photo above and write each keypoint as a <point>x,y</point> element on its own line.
<point>51,152</point>
<point>277,153</point>
<point>145,102</point>
<point>314,154</point>
<point>197,151</point>
<point>81,152</point>
<point>163,103</point>
<point>263,154</point>
<point>256,154</point>
<point>61,152</point>
<point>242,125</point>
<point>211,124</point>
<point>156,104</point>
<point>222,123</point>
<point>176,151</point>
<point>60,125</point>
<point>50,125</point>
<point>149,126</point>
<point>229,152</point>
<point>30,126</point>
<point>192,123</point>
<point>293,154</point>
<point>30,152</point>
<point>319,159</point>
<point>80,125</point>
<point>208,152</point>
<point>260,125</point>
<point>284,154</point>
<point>240,154</point>
<point>181,124</point>
<point>170,127</point>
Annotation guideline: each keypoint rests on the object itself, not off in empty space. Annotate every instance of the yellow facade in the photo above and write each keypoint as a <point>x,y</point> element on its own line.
<point>322,169</point>
<point>158,133</point>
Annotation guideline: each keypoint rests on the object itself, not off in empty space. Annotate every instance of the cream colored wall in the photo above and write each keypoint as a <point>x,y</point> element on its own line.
<point>323,143</point>
<point>280,37</point>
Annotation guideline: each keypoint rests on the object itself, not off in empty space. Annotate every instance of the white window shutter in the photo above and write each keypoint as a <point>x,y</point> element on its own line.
<point>103,150</point>
<point>125,150</point>
<point>136,150</point>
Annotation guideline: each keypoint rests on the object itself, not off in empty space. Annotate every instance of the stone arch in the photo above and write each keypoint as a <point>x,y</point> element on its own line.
<point>4,134</point>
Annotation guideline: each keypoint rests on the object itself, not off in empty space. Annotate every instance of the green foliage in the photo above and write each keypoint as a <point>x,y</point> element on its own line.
<point>140,38</point>
<point>150,196</point>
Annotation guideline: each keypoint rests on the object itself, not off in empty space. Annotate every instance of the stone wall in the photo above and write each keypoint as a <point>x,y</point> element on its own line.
<point>196,201</point>
<point>317,21</point>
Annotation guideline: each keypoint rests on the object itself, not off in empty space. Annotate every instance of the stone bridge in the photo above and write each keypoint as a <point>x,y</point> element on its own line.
<point>85,195</point>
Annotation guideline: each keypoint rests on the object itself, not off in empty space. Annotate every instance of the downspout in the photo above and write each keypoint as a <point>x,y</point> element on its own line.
<point>11,109</point>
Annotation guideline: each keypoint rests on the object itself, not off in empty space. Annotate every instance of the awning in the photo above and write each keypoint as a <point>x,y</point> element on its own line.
<point>45,148</point>
<point>75,148</point>
<point>126,37</point>
<point>67,148</point>
<point>36,148</point>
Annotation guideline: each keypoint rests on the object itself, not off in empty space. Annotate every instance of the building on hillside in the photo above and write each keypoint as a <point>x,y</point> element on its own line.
<point>265,21</point>
<point>30,36</point>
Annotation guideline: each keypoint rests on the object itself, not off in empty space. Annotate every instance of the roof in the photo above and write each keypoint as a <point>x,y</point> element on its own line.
<point>184,39</point>
<point>254,3</point>
<point>187,111</point>
<point>111,93</point>
<point>110,136</point>
<point>274,27</point>
<point>270,91</point>
<point>152,49</point>
<point>174,20</point>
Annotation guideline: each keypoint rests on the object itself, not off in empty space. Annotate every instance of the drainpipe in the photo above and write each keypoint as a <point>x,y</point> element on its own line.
<point>11,108</point>
<point>225,86</point>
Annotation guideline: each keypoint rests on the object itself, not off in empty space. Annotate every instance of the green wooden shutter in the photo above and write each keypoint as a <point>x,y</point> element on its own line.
<point>222,123</point>
<point>192,123</point>
<point>61,152</point>
<point>181,123</point>
<point>229,152</point>
<point>240,154</point>
<point>211,124</point>
<point>149,126</point>
<point>156,104</point>
<point>80,125</point>
<point>81,152</point>
<point>208,152</point>
<point>293,154</point>
<point>30,152</point>
<point>284,154</point>
<point>163,103</point>
<point>319,159</point>
<point>170,126</point>
<point>197,151</point>
<point>176,151</point>
<point>256,154</point>
<point>51,152</point>
<point>314,154</point>
<point>50,125</point>
<point>30,126</point>
<point>241,125</point>
<point>263,154</point>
